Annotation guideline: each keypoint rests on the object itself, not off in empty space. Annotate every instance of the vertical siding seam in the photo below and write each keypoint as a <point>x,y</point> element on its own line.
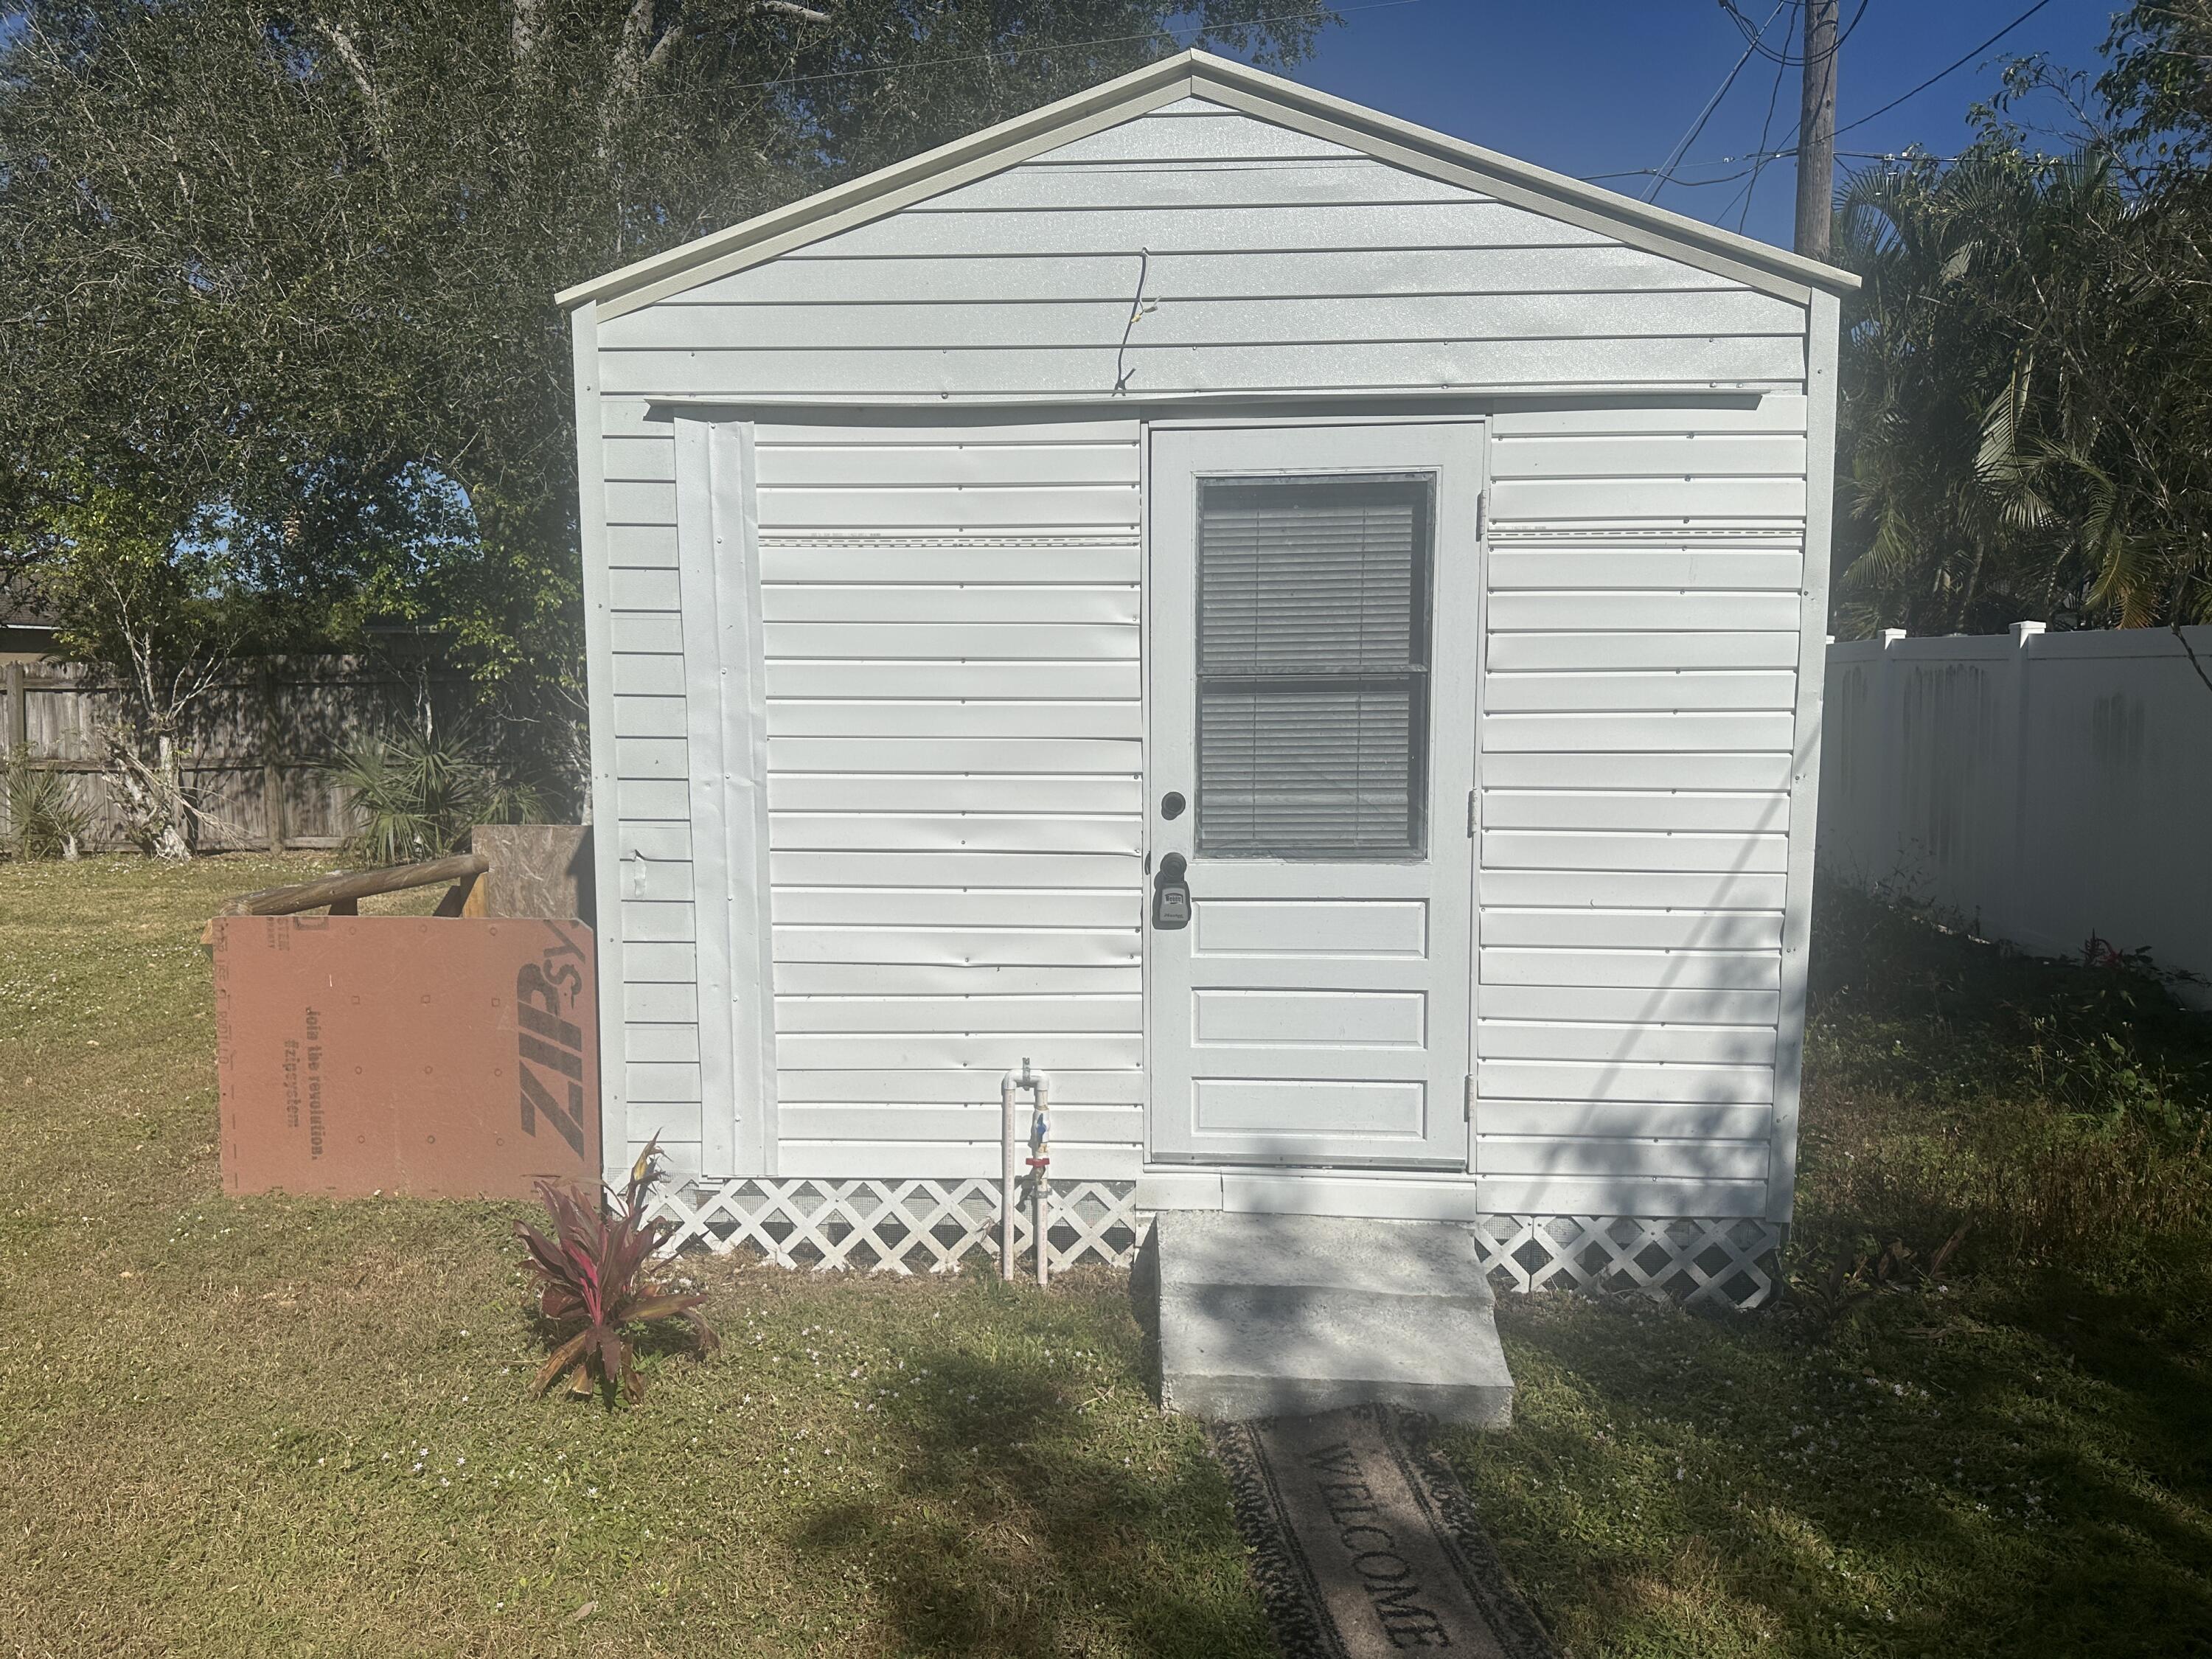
<point>707,799</point>
<point>744,712</point>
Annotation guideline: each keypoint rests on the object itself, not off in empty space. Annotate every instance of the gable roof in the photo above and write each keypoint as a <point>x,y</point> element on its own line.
<point>1236,86</point>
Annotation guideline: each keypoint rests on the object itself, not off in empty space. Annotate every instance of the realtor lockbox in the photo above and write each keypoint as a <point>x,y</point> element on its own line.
<point>435,1057</point>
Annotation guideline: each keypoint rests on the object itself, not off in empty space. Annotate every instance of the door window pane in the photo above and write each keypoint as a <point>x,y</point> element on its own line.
<point>1313,630</point>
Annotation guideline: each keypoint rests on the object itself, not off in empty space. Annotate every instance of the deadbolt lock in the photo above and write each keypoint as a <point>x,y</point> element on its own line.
<point>1171,894</point>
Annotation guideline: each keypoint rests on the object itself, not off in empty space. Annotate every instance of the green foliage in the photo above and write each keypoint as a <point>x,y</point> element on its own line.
<point>43,821</point>
<point>595,1272</point>
<point>2026,428</point>
<point>286,277</point>
<point>121,574</point>
<point>417,794</point>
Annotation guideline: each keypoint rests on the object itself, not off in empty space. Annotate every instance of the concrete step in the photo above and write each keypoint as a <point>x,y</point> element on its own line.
<point>1279,1316</point>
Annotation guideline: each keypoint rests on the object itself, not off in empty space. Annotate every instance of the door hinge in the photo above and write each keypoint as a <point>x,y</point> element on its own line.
<point>1482,515</point>
<point>1470,812</point>
<point>1467,1098</point>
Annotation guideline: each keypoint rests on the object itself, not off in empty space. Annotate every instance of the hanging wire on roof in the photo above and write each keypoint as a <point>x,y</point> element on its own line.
<point>1138,307</point>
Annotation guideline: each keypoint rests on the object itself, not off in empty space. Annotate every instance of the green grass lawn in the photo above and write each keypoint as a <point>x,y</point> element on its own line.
<point>280,1425</point>
<point>289,1426</point>
<point>2012,1456</point>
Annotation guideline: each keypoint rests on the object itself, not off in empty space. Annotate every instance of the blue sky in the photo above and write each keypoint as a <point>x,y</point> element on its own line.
<point>1600,86</point>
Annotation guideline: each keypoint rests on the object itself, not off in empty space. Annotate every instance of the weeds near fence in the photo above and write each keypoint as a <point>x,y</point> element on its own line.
<point>1976,1426</point>
<point>2059,1112</point>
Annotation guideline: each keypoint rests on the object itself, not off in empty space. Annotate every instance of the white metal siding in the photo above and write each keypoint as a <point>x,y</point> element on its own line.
<point>954,732</point>
<point>1278,262</point>
<point>659,1055</point>
<point>953,650</point>
<point>1640,690</point>
<point>954,751</point>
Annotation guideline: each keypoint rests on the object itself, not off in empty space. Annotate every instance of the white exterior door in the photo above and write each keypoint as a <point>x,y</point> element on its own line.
<point>1314,645</point>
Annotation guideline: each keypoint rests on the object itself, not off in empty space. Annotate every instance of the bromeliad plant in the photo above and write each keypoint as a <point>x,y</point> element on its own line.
<point>594,1271</point>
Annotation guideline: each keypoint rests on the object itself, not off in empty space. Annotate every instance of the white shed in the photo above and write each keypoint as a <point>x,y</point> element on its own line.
<point>1425,551</point>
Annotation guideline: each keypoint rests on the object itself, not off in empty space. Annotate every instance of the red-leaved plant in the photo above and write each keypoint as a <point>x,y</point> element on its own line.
<point>594,1271</point>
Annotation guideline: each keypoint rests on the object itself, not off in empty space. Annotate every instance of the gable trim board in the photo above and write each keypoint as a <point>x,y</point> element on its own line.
<point>1196,74</point>
<point>867,648</point>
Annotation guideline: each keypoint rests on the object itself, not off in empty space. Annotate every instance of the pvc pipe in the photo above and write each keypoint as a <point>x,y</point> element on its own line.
<point>1012,1085</point>
<point>1009,1139</point>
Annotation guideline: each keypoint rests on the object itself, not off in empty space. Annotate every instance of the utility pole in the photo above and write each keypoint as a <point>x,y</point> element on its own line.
<point>1816,131</point>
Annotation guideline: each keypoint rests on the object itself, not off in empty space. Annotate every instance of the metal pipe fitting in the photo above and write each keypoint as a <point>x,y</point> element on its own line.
<point>1011,1085</point>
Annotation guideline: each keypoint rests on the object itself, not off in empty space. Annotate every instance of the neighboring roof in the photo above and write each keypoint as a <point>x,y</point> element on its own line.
<point>1238,86</point>
<point>21,608</point>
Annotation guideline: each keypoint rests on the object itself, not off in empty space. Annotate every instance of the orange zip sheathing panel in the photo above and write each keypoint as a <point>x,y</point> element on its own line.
<point>431,1057</point>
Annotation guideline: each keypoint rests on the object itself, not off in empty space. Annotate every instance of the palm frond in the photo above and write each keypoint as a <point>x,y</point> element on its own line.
<point>418,794</point>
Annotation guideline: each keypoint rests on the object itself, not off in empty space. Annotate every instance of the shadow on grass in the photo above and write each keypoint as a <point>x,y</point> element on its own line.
<point>2042,1484</point>
<point>2131,1473</point>
<point>1015,1520</point>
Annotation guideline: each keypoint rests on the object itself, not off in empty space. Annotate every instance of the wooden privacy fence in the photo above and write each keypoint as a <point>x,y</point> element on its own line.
<point>255,748</point>
<point>2047,788</point>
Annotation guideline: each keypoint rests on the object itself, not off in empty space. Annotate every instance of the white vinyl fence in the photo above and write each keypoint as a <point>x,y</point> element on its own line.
<point>2050,788</point>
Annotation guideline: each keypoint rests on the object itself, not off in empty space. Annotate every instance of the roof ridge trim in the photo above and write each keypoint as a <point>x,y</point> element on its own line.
<point>1189,74</point>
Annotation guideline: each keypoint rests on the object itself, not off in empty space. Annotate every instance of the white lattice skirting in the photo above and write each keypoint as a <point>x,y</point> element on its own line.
<point>1730,1261</point>
<point>896,1226</point>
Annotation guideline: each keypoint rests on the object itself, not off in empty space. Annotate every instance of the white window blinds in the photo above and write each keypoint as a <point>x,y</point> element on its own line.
<point>1312,666</point>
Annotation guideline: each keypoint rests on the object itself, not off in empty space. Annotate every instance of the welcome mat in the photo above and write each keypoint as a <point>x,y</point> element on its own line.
<point>1363,1542</point>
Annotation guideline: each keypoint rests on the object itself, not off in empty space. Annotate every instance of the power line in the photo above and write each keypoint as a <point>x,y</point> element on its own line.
<point>1767,156</point>
<point>1773,96</point>
<point>1940,74</point>
<point>1789,146</point>
<point>1948,70</point>
<point>1783,58</point>
<point>1666,167</point>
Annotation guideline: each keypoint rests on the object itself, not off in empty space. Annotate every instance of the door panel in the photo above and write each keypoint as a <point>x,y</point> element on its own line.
<point>1315,1010</point>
